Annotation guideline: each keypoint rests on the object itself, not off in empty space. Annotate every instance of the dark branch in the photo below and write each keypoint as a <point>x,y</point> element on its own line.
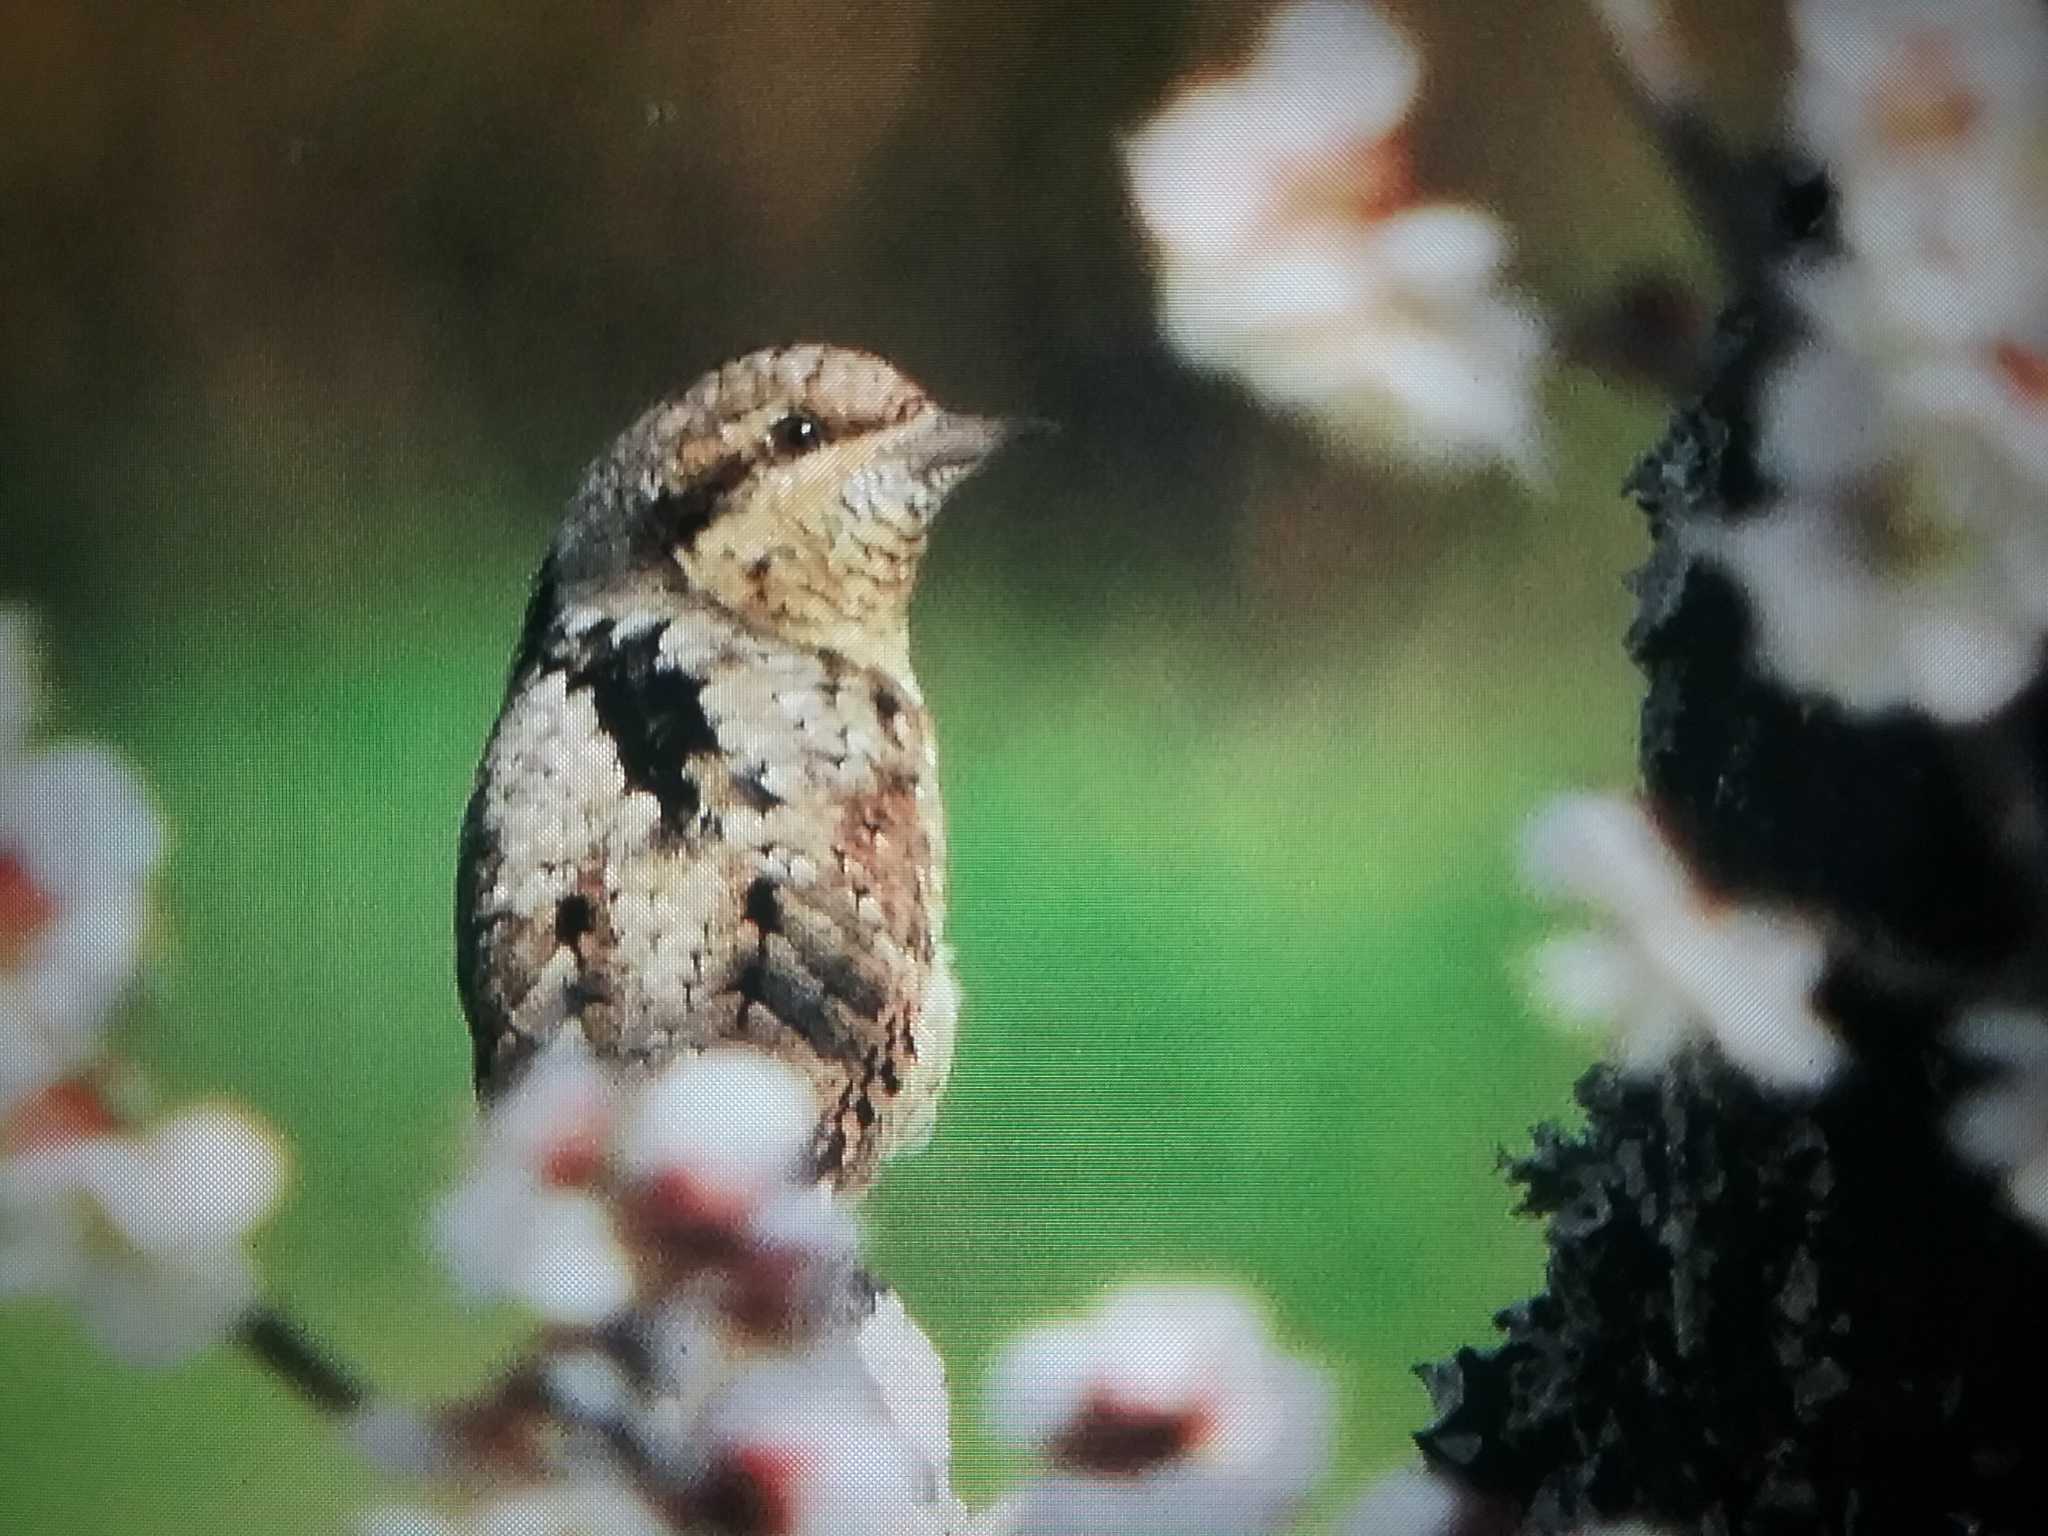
<point>282,1345</point>
<point>1719,185</point>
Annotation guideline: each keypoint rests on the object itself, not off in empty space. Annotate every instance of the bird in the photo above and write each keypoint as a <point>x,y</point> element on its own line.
<point>708,813</point>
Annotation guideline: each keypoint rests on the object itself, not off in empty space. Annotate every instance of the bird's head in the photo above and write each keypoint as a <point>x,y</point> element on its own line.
<point>794,487</point>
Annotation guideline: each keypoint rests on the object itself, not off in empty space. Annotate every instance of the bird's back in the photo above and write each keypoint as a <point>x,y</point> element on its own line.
<point>687,832</point>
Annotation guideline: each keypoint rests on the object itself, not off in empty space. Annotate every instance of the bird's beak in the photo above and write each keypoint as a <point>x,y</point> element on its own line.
<point>959,441</point>
<point>1015,427</point>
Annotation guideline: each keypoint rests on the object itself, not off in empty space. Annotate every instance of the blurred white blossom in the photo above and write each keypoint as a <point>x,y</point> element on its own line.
<point>1292,252</point>
<point>1672,963</point>
<point>799,1256</point>
<point>738,1378</point>
<point>1904,561</point>
<point>580,1509</point>
<point>531,1221</point>
<point>586,1194</point>
<point>1168,1410</point>
<point>1412,1502</point>
<point>1988,409</point>
<point>718,1133</point>
<point>143,1231</point>
<point>784,1272</point>
<point>78,842</point>
<point>718,1207</point>
<point>910,1380</point>
<point>1315,114</point>
<point>2003,1126</point>
<point>1931,117</point>
<point>804,1446</point>
<point>882,1365</point>
<point>843,1431</point>
<point>1847,607</point>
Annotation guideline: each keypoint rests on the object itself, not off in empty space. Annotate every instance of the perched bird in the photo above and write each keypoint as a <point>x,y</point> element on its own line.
<point>709,810</point>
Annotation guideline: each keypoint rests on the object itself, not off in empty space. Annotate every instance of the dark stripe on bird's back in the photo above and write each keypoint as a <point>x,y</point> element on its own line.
<point>654,715</point>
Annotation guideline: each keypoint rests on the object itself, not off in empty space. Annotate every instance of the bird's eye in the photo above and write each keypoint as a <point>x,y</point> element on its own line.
<point>798,432</point>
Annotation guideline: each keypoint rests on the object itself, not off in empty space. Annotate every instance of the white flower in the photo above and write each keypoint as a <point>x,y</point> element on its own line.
<point>1905,564</point>
<point>694,1356</point>
<point>804,1447</point>
<point>78,841</point>
<point>583,1194</point>
<point>1917,80</point>
<point>1675,963</point>
<point>573,1509</point>
<point>2004,1125</point>
<point>1823,425</point>
<point>532,1221</point>
<point>19,687</point>
<point>737,1122</point>
<point>712,1148</point>
<point>1932,118</point>
<point>1918,83</point>
<point>1291,252</point>
<point>1971,419</point>
<point>796,1265</point>
<point>910,1382</point>
<point>783,1273</point>
<point>1836,614</point>
<point>1308,122</point>
<point>1166,1411</point>
<point>1988,403</point>
<point>1413,1502</point>
<point>144,1232</point>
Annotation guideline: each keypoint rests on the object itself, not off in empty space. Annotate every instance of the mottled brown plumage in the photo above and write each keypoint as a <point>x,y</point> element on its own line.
<point>709,811</point>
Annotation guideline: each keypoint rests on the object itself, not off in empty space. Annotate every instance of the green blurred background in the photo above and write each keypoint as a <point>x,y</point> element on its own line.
<point>312,313</point>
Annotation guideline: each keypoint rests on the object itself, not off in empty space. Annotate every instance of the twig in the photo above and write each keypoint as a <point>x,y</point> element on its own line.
<point>1658,75</point>
<point>503,1431</point>
<point>283,1346</point>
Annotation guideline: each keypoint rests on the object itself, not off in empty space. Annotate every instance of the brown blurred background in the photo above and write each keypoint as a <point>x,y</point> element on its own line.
<point>249,248</point>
